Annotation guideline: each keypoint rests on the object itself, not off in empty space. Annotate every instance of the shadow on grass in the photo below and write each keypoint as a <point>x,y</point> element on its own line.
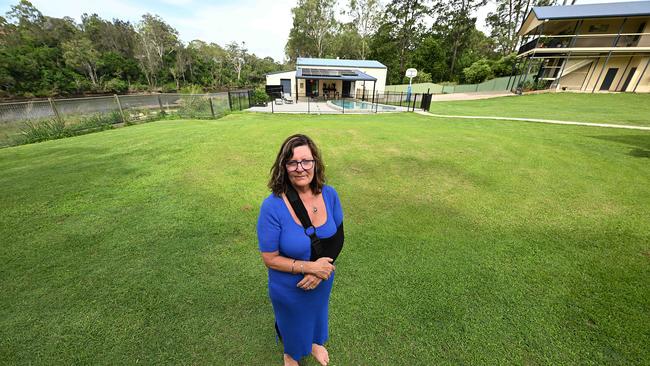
<point>640,142</point>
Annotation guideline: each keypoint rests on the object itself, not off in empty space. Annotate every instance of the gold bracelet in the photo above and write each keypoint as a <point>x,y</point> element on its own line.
<point>292,263</point>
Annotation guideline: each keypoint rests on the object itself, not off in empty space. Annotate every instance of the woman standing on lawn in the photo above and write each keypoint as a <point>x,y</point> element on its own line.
<point>299,287</point>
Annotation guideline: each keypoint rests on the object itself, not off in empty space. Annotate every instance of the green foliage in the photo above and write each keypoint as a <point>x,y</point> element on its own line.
<point>98,121</point>
<point>504,66</point>
<point>169,87</point>
<point>480,71</point>
<point>46,56</point>
<point>259,96</point>
<point>43,130</point>
<point>116,85</point>
<point>191,89</point>
<point>52,129</point>
<point>194,106</point>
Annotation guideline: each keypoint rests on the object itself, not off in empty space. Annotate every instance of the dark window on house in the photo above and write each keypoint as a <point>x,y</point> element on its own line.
<point>598,28</point>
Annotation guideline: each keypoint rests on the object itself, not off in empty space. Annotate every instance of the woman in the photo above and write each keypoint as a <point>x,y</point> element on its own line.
<point>299,287</point>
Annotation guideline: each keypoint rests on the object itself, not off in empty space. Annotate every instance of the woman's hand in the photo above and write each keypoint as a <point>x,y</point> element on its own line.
<point>309,282</point>
<point>322,268</point>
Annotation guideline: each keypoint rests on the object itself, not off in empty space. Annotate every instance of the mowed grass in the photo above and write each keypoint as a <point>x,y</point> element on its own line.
<point>623,109</point>
<point>467,242</point>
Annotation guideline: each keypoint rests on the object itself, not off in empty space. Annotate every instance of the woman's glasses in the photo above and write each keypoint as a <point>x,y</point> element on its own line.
<point>305,164</point>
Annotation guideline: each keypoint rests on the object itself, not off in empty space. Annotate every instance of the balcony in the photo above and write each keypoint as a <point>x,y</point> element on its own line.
<point>587,41</point>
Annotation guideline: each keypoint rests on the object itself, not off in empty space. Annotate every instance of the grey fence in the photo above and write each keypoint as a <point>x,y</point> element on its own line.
<point>17,117</point>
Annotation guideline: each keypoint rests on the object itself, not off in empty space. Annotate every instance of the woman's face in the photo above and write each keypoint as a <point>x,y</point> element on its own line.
<point>301,174</point>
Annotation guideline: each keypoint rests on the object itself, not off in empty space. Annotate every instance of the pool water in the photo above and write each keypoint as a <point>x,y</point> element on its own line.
<point>350,104</point>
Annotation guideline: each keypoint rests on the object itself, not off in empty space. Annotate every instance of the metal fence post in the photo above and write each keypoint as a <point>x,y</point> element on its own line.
<point>272,102</point>
<point>415,98</point>
<point>56,111</point>
<point>229,101</point>
<point>343,104</point>
<point>377,103</point>
<point>308,102</point>
<point>211,106</point>
<point>239,100</point>
<point>119,105</point>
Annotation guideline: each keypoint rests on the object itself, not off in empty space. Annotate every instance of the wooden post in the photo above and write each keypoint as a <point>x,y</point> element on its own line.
<point>162,110</point>
<point>119,105</point>
<point>56,111</point>
<point>211,106</point>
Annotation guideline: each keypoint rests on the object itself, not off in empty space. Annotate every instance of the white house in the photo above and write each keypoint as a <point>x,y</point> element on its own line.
<point>330,78</point>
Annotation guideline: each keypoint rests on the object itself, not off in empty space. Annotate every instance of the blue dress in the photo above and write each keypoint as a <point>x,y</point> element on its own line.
<point>301,315</point>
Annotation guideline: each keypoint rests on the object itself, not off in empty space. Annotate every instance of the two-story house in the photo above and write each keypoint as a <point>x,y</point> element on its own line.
<point>590,47</point>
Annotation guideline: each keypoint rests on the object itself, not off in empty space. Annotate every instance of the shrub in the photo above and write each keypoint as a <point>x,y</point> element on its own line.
<point>44,130</point>
<point>169,87</point>
<point>193,106</point>
<point>137,87</point>
<point>478,72</point>
<point>259,96</point>
<point>97,122</point>
<point>116,85</point>
<point>192,89</point>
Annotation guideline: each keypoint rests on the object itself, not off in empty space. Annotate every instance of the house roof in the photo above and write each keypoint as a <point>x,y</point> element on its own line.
<point>605,10</point>
<point>279,72</point>
<point>332,62</point>
<point>331,74</point>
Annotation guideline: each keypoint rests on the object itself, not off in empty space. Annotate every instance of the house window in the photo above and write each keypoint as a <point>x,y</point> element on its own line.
<point>598,28</point>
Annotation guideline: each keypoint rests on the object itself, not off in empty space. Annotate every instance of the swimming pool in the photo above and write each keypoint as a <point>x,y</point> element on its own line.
<point>355,105</point>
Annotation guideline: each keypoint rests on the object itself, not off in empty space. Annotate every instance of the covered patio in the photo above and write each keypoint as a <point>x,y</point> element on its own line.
<point>324,84</point>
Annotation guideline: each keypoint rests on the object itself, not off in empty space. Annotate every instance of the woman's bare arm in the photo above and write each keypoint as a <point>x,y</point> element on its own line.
<point>321,268</point>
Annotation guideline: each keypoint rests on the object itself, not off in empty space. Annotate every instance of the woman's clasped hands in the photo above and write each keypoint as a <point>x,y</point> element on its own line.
<point>319,270</point>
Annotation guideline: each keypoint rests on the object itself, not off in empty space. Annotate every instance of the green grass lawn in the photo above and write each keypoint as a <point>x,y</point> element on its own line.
<point>623,109</point>
<point>473,242</point>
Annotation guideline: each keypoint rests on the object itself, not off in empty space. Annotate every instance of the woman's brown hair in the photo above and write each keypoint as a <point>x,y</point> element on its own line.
<point>279,176</point>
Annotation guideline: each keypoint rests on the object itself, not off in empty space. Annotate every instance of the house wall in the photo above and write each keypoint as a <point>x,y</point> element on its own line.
<point>577,80</point>
<point>274,79</point>
<point>644,84</point>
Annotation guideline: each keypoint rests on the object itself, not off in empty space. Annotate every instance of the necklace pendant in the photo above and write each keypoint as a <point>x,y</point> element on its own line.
<point>315,209</point>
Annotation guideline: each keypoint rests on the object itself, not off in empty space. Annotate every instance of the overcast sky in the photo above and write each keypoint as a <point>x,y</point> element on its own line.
<point>263,25</point>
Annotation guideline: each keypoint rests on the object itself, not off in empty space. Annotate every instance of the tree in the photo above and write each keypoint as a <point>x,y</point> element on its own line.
<point>366,15</point>
<point>405,18</point>
<point>80,54</point>
<point>313,24</point>
<point>236,54</point>
<point>155,40</point>
<point>455,21</point>
<point>347,42</point>
<point>506,20</point>
<point>431,57</point>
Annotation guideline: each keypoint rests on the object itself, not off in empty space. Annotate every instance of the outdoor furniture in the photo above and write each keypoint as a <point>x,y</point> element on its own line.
<point>287,98</point>
<point>279,101</point>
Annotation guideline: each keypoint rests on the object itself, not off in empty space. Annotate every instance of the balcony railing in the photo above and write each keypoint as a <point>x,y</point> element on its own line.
<point>588,40</point>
